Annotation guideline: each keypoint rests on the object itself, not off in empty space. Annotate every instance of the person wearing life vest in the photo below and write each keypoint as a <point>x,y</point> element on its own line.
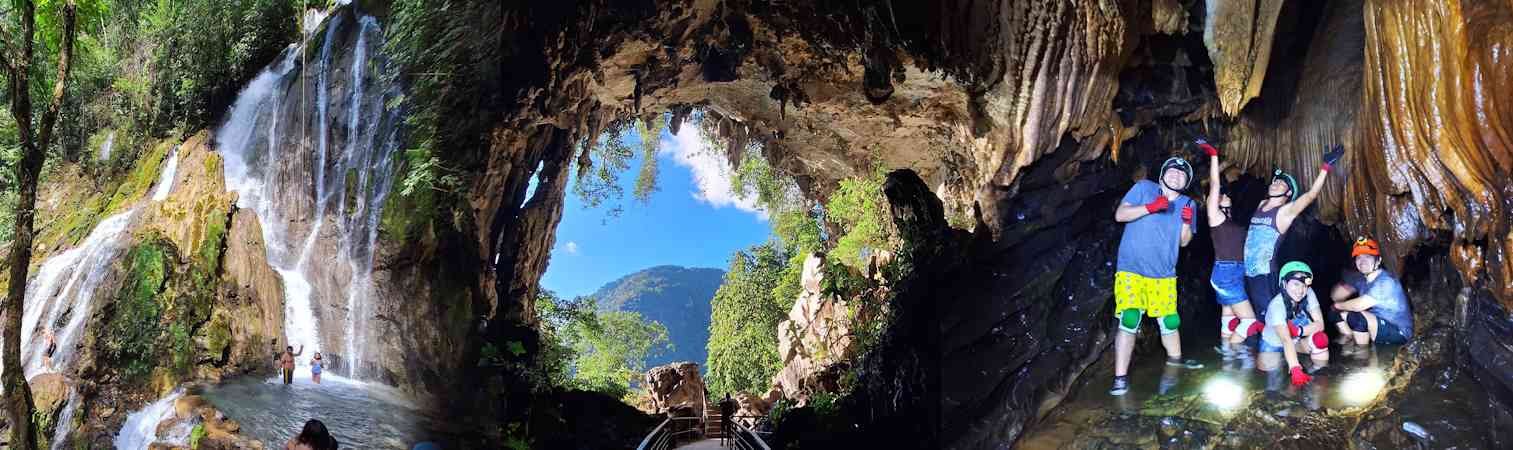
<point>1237,319</point>
<point>1158,222</point>
<point>1294,324</point>
<point>1372,307</point>
<point>1271,221</point>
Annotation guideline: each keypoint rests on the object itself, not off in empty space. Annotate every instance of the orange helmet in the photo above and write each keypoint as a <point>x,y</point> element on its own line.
<point>1365,246</point>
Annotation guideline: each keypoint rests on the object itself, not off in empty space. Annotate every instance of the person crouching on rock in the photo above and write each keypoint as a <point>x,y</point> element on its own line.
<point>286,361</point>
<point>1378,312</point>
<point>1158,222</point>
<point>1294,324</point>
<point>1237,319</point>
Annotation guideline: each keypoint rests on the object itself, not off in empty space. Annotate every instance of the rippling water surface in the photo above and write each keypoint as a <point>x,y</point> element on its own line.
<point>360,415</point>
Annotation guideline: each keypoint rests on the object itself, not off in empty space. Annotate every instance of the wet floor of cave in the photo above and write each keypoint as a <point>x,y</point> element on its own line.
<point>1231,404</point>
<point>358,414</point>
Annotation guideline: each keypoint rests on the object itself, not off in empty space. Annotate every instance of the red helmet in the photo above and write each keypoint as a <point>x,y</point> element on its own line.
<point>1365,246</point>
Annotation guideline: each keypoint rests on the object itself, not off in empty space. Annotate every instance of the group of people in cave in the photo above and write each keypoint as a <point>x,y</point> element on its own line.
<point>1265,304</point>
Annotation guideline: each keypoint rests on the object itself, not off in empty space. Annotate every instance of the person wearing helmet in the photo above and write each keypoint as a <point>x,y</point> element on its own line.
<point>1272,219</point>
<point>1372,307</point>
<point>1237,319</point>
<point>1159,222</point>
<point>1294,324</point>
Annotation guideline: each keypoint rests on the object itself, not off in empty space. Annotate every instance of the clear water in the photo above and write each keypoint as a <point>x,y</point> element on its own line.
<point>359,414</point>
<point>1214,394</point>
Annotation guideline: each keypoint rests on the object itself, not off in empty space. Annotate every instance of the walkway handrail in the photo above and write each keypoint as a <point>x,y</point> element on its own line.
<point>746,438</point>
<point>663,437</point>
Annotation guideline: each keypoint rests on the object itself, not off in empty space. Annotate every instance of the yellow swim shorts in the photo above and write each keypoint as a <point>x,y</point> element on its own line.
<point>1157,296</point>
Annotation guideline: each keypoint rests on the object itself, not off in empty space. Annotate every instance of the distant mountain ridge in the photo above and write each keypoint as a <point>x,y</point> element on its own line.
<point>677,297</point>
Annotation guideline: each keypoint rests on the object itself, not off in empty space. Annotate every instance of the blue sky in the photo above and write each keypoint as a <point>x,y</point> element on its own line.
<point>693,220</point>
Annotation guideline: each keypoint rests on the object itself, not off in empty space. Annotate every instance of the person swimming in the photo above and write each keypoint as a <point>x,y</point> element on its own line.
<point>313,437</point>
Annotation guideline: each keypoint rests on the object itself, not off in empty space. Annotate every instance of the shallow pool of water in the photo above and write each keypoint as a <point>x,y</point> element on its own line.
<point>359,414</point>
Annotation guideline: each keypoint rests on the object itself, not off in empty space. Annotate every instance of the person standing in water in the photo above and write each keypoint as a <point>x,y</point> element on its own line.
<point>315,367</point>
<point>1159,221</point>
<point>1294,324</point>
<point>286,362</point>
<point>1273,217</point>
<point>1378,312</point>
<point>1237,319</point>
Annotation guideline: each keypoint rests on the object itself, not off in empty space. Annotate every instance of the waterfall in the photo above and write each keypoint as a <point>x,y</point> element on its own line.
<point>59,299</point>
<point>141,427</point>
<point>65,422</point>
<point>165,179</point>
<point>110,140</point>
<point>309,147</point>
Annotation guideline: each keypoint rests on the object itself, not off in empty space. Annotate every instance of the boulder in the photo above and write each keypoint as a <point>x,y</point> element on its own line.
<point>49,392</point>
<point>189,406</point>
<point>676,388</point>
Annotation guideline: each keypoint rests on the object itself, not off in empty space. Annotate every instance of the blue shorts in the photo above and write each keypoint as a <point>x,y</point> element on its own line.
<point>1389,334</point>
<point>1228,280</point>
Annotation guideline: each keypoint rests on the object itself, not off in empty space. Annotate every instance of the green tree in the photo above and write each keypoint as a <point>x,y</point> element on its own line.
<point>859,210</point>
<point>651,139</point>
<point>743,321</point>
<point>601,351</point>
<point>19,57</point>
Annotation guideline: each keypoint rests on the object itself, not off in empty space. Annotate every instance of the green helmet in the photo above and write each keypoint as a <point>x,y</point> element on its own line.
<point>1292,184</point>
<point>1291,268</point>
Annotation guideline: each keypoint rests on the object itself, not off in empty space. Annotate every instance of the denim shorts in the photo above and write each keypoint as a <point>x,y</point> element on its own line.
<point>1228,280</point>
<point>1267,347</point>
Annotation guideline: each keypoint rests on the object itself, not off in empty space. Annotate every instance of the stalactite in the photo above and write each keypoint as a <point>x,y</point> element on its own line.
<point>1436,141</point>
<point>1239,35</point>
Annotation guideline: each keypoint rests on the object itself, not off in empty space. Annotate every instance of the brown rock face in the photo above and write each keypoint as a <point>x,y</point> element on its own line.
<point>676,389</point>
<point>252,296</point>
<point>816,336</point>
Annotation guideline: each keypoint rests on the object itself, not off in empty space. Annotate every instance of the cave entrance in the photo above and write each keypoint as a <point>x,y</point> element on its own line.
<point>678,245</point>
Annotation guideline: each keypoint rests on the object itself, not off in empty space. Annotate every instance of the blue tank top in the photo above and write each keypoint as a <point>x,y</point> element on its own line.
<point>1261,242</point>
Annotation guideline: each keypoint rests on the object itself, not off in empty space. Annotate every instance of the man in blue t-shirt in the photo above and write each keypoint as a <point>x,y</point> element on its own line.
<point>1379,311</point>
<point>1158,221</point>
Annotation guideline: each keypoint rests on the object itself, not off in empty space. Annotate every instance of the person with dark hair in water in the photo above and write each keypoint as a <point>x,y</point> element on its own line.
<point>313,437</point>
<point>286,362</point>
<point>1273,217</point>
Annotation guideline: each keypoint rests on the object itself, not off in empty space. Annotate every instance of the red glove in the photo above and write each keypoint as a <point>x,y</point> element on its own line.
<point>1157,205</point>
<point>1208,149</point>
<point>1293,328</point>
<point>1187,214</point>
<point>1298,377</point>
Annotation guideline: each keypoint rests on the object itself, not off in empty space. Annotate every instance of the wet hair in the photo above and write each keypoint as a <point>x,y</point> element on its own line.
<point>316,436</point>
<point>289,348</point>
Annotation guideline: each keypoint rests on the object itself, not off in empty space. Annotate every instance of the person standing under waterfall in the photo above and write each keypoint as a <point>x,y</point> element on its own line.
<point>1294,323</point>
<point>1158,222</point>
<point>1378,312</point>
<point>1237,319</point>
<point>1273,217</point>
<point>315,367</point>
<point>286,361</point>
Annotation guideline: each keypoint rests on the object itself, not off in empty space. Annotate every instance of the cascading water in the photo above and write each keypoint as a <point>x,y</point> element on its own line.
<point>165,179</point>
<point>317,184</point>
<point>141,427</point>
<point>105,147</point>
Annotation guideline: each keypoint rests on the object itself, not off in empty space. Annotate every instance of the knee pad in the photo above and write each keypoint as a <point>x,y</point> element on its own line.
<point>1169,323</point>
<point>1248,326</point>
<point>1320,341</point>
<point>1357,321</point>
<point>1227,324</point>
<point>1129,320</point>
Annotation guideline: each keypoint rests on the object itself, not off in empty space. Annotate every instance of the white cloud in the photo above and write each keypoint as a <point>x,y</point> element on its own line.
<point>571,247</point>
<point>711,171</point>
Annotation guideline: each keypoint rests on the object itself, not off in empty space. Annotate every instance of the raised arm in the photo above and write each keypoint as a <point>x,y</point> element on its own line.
<point>1215,216</point>
<point>1297,207</point>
